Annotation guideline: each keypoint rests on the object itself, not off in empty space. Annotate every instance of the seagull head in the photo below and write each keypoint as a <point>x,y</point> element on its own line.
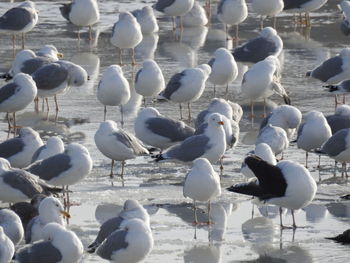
<point>149,63</point>
<point>215,119</point>
<point>27,132</point>
<point>127,16</point>
<point>131,204</point>
<point>268,32</point>
<point>51,210</point>
<point>222,53</point>
<point>77,75</point>
<point>49,51</point>
<point>108,127</point>
<point>205,68</point>
<point>343,110</point>
<point>148,112</point>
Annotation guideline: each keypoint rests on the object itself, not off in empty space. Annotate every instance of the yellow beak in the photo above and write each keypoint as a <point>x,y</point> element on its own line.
<point>60,55</point>
<point>65,214</point>
<point>220,122</point>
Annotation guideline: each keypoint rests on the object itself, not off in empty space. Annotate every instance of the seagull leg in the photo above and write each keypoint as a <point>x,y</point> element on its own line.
<point>189,111</point>
<point>144,102</point>
<point>319,162</point>
<point>261,22</point>
<point>274,22</point>
<point>174,25</point>
<point>195,213</point>
<point>335,168</point>
<point>133,57</point>
<point>294,225</point>
<point>105,113</point>
<point>78,34</point>
<point>180,111</point>
<point>36,104</point>
<point>120,56</point>
<point>14,124</point>
<point>281,224</point>
<point>252,110</point>
<point>122,115</point>
<point>214,90</point>
<point>23,39</point>
<point>90,33</point>
<point>122,173</point>
<point>57,108</point>
<point>306,157</point>
<point>209,206</point>
<point>8,123</point>
<point>111,176</point>
<point>221,167</point>
<point>13,43</point>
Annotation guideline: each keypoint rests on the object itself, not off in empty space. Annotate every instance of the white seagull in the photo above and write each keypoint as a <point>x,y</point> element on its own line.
<point>53,146</point>
<point>267,8</point>
<point>147,20</point>
<point>7,249</point>
<point>12,225</point>
<point>287,184</point>
<point>118,145</point>
<point>196,17</point>
<point>275,137</point>
<point>202,184</point>
<point>113,89</point>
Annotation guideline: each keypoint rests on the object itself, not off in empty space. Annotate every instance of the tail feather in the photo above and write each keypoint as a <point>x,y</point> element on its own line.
<point>331,88</point>
<point>158,157</point>
<point>92,247</point>
<point>308,74</point>
<point>287,100</point>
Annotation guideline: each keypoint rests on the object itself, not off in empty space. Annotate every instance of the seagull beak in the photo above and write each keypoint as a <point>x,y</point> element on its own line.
<point>60,55</point>
<point>220,122</point>
<point>65,214</point>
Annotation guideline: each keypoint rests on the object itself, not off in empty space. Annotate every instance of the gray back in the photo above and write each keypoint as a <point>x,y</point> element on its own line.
<point>114,242</point>
<point>255,50</point>
<point>31,65</point>
<point>220,6</point>
<point>338,122</point>
<point>328,69</point>
<point>137,75</point>
<point>129,141</point>
<point>200,118</point>
<point>23,182</point>
<point>265,121</point>
<point>108,227</point>
<point>11,147</point>
<point>292,4</point>
<point>300,130</point>
<point>7,91</point>
<point>336,144</point>
<point>28,230</point>
<point>173,85</point>
<point>162,4</point>
<point>50,76</point>
<point>51,167</point>
<point>37,153</point>
<point>65,10</point>
<point>211,62</point>
<point>40,252</point>
<point>15,19</point>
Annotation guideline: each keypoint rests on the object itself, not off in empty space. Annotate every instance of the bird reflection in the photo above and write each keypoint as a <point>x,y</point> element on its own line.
<point>315,212</point>
<point>147,47</point>
<point>203,254</point>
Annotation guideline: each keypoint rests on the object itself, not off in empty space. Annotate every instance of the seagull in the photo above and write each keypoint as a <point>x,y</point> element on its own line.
<point>16,96</point>
<point>132,209</point>
<point>118,145</point>
<point>131,243</point>
<point>126,33</point>
<point>313,132</point>
<point>268,43</point>
<point>7,248</point>
<point>333,70</point>
<point>19,150</point>
<point>343,238</point>
<point>210,145</point>
<point>81,13</point>
<point>285,116</point>
<point>53,146</point>
<point>202,184</point>
<point>267,8</point>
<point>19,20</point>
<point>340,119</point>
<point>345,25</point>
<point>287,184</point>
<point>58,245</point>
<point>158,131</point>
<point>113,89</point>
<point>174,8</point>
<point>223,68</point>
<point>57,77</point>
<point>264,152</point>
<point>232,12</point>
<point>147,20</point>
<point>12,225</point>
<point>187,86</point>
<point>50,210</point>
<point>275,137</point>
<point>149,80</point>
<point>196,17</point>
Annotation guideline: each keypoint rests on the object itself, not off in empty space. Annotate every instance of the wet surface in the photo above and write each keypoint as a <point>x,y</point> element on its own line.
<point>235,236</point>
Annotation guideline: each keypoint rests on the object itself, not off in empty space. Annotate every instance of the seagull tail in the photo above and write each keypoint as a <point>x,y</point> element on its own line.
<point>331,88</point>
<point>343,238</point>
<point>158,157</point>
<point>287,100</point>
<point>48,190</point>
<point>92,247</point>
<point>6,76</point>
<point>320,152</point>
<point>308,74</point>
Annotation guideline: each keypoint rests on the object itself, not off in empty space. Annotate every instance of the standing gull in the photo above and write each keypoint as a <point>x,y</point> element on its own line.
<point>268,43</point>
<point>132,209</point>
<point>17,185</point>
<point>275,137</point>
<point>267,8</point>
<point>19,150</point>
<point>118,145</point>
<point>16,96</point>
<point>53,146</point>
<point>211,144</point>
<point>19,20</point>
<point>12,225</point>
<point>7,249</point>
<point>196,17</point>
<point>126,33</point>
<point>345,24</point>
<point>148,22</point>
<point>58,245</point>
<point>149,80</point>
<point>113,89</point>
<point>81,13</point>
<point>202,184</point>
<point>159,131</point>
<point>131,243</point>
<point>287,184</point>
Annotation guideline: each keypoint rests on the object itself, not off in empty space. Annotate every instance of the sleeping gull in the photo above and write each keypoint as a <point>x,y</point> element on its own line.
<point>58,245</point>
<point>201,184</point>
<point>196,17</point>
<point>333,70</point>
<point>174,8</point>
<point>268,43</point>
<point>118,145</point>
<point>131,243</point>
<point>275,137</point>
<point>223,68</point>
<point>126,33</point>
<point>267,8</point>
<point>232,13</point>
<point>345,24</point>
<point>149,80</point>
<point>19,150</point>
<point>159,131</point>
<point>264,152</point>
<point>12,225</point>
<point>340,119</point>
<point>313,132</point>
<point>17,185</point>
<point>187,86</point>
<point>81,13</point>
<point>285,116</point>
<point>19,20</point>
<point>53,146</point>
<point>132,209</point>
<point>210,145</point>
<point>147,20</point>
<point>7,249</point>
<point>50,210</point>
<point>113,89</point>
<point>16,96</point>
<point>287,184</point>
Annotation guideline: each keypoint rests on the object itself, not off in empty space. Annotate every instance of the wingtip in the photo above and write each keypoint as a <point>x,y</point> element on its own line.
<point>287,100</point>
<point>308,74</point>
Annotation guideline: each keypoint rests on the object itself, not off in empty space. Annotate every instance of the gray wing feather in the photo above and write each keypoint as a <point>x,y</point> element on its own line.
<point>173,85</point>
<point>200,118</point>
<point>292,4</point>
<point>337,122</point>
<point>23,182</point>
<point>11,147</point>
<point>7,91</point>
<point>211,62</point>
<point>37,153</point>
<point>300,130</point>
<point>51,167</point>
<point>138,74</point>
<point>190,149</point>
<point>65,10</point>
<point>15,19</point>
<point>107,228</point>
<point>328,69</point>
<point>130,142</point>
<point>201,129</point>
<point>265,121</point>
<point>50,76</point>
<point>41,252</point>
<point>31,65</point>
<point>28,230</point>
<point>336,144</point>
<point>169,128</point>
<point>220,6</point>
<point>114,242</point>
<point>162,4</point>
